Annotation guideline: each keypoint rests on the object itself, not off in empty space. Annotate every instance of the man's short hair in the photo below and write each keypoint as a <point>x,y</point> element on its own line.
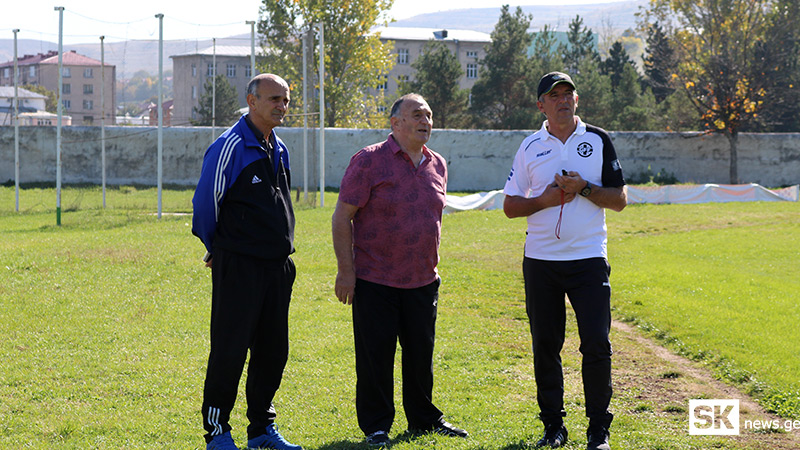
<point>252,86</point>
<point>396,105</point>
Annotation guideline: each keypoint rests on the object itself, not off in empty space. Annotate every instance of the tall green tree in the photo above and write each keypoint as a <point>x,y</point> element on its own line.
<point>545,57</point>
<point>729,54</point>
<point>581,45</point>
<point>226,103</point>
<point>660,62</point>
<point>354,57</point>
<point>502,97</point>
<point>617,63</point>
<point>437,79</point>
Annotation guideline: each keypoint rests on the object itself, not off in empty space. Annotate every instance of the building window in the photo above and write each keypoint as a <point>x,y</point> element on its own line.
<point>32,72</point>
<point>472,71</point>
<point>472,54</point>
<point>210,70</point>
<point>383,82</point>
<point>66,72</point>
<point>231,70</point>
<point>248,71</point>
<point>66,88</point>
<point>381,109</point>
<point>6,72</point>
<point>88,89</point>
<point>194,92</point>
<point>194,70</point>
<point>88,120</point>
<point>402,56</point>
<point>66,104</point>
<point>88,105</point>
<point>87,73</point>
<point>401,79</point>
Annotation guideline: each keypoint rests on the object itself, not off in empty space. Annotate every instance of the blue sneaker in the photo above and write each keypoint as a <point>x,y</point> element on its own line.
<point>222,442</point>
<point>272,439</point>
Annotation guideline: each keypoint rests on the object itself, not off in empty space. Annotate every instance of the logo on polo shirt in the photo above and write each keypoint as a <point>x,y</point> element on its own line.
<point>256,179</point>
<point>585,149</point>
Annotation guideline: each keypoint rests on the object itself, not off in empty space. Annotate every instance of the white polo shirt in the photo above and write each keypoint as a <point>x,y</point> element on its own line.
<point>589,152</point>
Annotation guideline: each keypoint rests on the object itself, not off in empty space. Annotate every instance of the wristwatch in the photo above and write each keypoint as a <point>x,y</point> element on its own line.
<point>586,190</point>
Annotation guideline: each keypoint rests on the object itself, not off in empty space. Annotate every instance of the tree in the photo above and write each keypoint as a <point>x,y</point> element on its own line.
<point>354,57</point>
<point>502,97</point>
<point>730,53</point>
<point>51,104</point>
<point>437,79</point>
<point>545,57</point>
<point>660,63</point>
<point>581,45</point>
<point>616,64</point>
<point>226,104</point>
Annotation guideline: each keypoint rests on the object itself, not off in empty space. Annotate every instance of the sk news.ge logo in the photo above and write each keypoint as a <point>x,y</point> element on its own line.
<point>714,417</point>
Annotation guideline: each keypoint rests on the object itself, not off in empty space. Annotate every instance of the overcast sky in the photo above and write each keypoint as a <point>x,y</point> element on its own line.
<point>86,20</point>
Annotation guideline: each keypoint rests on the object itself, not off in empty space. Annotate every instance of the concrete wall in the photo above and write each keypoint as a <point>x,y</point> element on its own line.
<point>478,160</point>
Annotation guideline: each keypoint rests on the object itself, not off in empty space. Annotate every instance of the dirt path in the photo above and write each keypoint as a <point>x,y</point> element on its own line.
<point>655,376</point>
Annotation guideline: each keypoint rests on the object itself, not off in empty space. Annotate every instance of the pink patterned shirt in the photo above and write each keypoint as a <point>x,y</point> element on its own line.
<point>398,226</point>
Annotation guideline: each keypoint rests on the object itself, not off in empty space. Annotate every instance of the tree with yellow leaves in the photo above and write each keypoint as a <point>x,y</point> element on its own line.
<point>733,54</point>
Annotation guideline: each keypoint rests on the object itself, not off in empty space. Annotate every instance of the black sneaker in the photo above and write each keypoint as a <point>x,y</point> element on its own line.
<point>555,436</point>
<point>597,438</point>
<point>447,429</point>
<point>378,439</point>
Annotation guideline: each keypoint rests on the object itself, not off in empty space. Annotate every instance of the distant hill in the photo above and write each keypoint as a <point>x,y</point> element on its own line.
<point>132,56</point>
<point>618,15</point>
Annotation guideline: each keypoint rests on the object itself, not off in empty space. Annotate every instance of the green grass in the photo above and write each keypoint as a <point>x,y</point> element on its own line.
<point>105,323</point>
<point>717,283</point>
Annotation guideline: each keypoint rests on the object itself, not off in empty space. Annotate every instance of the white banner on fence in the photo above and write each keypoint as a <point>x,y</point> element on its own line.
<point>679,193</point>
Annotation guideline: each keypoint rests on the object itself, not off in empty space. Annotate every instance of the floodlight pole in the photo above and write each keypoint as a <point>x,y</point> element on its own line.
<point>252,24</point>
<point>16,125</point>
<point>214,90</point>
<point>305,115</point>
<point>321,115</point>
<point>160,111</point>
<point>103,115</point>
<point>60,110</point>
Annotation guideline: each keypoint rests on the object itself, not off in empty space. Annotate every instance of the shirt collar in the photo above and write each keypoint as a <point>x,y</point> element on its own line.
<point>395,147</point>
<point>579,130</point>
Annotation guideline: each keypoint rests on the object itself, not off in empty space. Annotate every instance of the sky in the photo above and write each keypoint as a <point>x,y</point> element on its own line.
<point>84,21</point>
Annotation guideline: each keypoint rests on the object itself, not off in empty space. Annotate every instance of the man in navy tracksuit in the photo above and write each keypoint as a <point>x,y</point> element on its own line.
<point>243,215</point>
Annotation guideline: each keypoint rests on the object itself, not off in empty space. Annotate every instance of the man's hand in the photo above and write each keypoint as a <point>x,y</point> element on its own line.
<point>345,287</point>
<point>571,183</point>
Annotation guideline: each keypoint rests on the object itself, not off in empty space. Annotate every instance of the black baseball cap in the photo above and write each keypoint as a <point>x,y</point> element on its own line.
<point>549,81</point>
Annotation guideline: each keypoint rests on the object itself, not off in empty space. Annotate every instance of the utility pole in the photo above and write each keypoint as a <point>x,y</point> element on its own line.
<point>103,115</point>
<point>60,107</point>
<point>16,124</point>
<point>160,112</point>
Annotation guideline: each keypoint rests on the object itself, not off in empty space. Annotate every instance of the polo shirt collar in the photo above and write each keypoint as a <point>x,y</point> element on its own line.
<point>579,130</point>
<point>395,147</point>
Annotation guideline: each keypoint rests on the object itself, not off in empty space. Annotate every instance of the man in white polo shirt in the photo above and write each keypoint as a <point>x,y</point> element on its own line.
<point>563,178</point>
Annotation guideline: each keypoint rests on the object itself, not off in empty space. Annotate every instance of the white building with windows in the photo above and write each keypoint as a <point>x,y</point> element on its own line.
<point>467,45</point>
<point>191,70</point>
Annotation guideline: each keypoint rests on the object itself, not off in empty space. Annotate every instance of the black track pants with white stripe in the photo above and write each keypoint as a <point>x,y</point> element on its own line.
<point>249,311</point>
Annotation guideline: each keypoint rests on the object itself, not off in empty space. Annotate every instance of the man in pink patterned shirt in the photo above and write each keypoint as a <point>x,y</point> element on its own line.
<point>386,232</point>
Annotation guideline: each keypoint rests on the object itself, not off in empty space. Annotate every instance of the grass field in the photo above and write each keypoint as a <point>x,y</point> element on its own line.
<point>105,324</point>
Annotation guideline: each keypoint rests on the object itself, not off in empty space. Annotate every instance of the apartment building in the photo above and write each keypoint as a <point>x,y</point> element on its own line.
<point>82,78</point>
<point>467,45</point>
<point>191,70</point>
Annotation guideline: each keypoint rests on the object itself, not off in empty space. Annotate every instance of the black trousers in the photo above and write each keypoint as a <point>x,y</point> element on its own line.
<point>381,315</point>
<point>249,311</point>
<point>586,283</point>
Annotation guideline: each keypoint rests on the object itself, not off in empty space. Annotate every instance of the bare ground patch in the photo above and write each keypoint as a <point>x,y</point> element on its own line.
<point>662,383</point>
